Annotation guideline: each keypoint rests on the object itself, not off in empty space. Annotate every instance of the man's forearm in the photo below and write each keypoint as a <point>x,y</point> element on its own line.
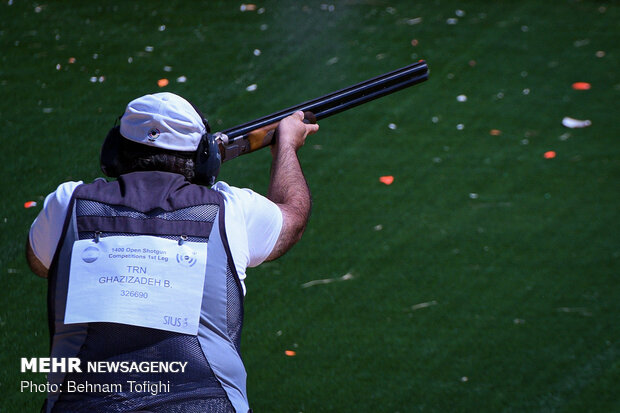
<point>288,186</point>
<point>289,190</point>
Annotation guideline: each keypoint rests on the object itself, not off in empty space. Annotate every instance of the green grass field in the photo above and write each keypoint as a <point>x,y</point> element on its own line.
<point>484,278</point>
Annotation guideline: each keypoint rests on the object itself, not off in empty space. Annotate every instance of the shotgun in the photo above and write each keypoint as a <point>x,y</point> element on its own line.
<point>251,136</point>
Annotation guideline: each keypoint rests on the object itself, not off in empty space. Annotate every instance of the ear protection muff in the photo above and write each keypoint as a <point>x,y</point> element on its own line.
<point>108,159</point>
<point>208,158</point>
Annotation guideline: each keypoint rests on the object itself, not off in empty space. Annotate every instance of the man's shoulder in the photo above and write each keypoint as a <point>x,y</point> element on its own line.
<point>57,202</point>
<point>245,198</point>
<point>65,190</point>
<point>231,192</point>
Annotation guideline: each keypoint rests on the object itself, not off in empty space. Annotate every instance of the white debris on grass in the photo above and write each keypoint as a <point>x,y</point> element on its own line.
<point>581,42</point>
<point>423,305</point>
<point>579,310</point>
<point>575,123</point>
<point>348,276</point>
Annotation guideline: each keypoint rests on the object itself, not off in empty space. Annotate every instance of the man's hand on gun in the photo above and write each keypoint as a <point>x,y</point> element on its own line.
<point>292,132</point>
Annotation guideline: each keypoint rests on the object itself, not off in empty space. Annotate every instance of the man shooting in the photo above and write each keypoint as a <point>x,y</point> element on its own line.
<point>151,266</point>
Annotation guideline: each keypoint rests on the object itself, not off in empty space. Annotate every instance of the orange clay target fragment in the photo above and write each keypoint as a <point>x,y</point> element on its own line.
<point>581,86</point>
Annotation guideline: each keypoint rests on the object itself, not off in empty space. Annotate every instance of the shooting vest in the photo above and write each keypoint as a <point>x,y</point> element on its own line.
<point>165,205</point>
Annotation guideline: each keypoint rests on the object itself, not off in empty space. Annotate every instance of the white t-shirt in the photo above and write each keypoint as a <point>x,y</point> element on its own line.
<point>253,225</point>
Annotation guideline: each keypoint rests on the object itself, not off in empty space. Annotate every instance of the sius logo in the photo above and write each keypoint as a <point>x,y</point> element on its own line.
<point>153,134</point>
<point>90,254</point>
<point>186,260</point>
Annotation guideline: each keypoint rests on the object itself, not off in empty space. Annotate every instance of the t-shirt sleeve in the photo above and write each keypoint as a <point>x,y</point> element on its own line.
<point>262,221</point>
<point>46,229</point>
<point>264,224</point>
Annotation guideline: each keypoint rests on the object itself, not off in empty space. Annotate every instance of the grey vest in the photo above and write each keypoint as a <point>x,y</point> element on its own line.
<point>163,205</point>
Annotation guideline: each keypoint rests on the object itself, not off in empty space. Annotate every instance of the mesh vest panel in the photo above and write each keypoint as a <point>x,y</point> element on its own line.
<point>195,390</point>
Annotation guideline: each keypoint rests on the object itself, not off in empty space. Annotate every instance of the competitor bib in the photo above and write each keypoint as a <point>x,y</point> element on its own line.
<point>142,281</point>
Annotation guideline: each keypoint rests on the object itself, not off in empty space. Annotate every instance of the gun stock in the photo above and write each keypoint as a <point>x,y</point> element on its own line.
<point>257,134</point>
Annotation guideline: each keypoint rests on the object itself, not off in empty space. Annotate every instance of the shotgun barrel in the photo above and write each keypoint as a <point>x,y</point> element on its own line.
<point>258,133</point>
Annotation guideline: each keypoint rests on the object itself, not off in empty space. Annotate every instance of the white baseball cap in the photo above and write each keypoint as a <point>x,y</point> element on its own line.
<point>163,120</point>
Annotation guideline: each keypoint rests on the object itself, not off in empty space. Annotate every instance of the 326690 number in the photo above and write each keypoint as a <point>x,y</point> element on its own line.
<point>136,294</point>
